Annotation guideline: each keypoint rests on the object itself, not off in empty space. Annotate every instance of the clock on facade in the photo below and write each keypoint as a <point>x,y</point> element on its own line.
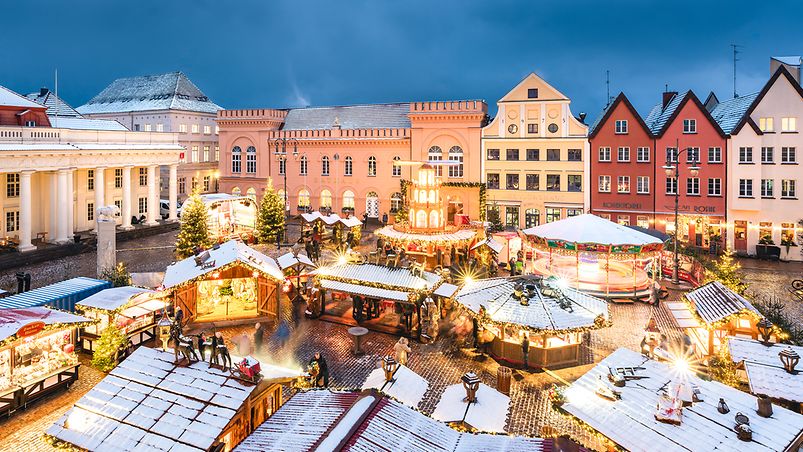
<point>552,128</point>
<point>513,128</point>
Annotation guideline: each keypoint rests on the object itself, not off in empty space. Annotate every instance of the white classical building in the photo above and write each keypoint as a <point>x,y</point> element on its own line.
<point>55,178</point>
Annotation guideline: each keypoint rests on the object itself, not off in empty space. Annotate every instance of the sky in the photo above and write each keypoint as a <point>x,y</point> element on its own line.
<point>279,54</point>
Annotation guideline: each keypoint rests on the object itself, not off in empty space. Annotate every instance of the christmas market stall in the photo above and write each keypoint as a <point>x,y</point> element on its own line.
<point>540,315</point>
<point>149,403</point>
<point>367,421</point>
<point>228,282</point>
<point>770,370</point>
<point>595,255</point>
<point>397,381</point>
<point>133,310</point>
<point>230,214</point>
<point>61,295</point>
<point>634,403</point>
<point>339,226</point>
<point>473,406</point>
<point>37,354</point>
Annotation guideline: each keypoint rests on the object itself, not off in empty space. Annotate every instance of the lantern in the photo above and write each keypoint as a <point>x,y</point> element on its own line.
<point>789,359</point>
<point>164,326</point>
<point>471,383</point>
<point>389,365</point>
<point>764,327</point>
<point>722,407</point>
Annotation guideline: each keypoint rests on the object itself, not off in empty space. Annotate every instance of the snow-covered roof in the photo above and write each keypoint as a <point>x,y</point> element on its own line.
<point>211,198</point>
<point>367,422</point>
<point>329,220</point>
<point>11,320</point>
<point>9,98</point>
<point>544,312</point>
<point>371,292</point>
<point>445,290</point>
<point>659,115</point>
<point>147,279</point>
<point>630,422</point>
<point>371,116</point>
<point>401,279</point>
<point>171,91</point>
<point>491,243</point>
<point>288,260</point>
<point>729,113</point>
<point>714,302</point>
<point>225,254</point>
<point>55,105</point>
<point>85,124</point>
<point>114,298</point>
<point>407,386</point>
<point>149,403</point>
<point>589,228</point>
<point>790,60</point>
<point>460,235</point>
<point>487,414</point>
<point>765,372</point>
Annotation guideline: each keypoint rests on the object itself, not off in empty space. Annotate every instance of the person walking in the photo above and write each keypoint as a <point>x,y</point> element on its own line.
<point>525,349</point>
<point>364,220</point>
<point>402,350</point>
<point>259,337</point>
<point>323,370</point>
<point>385,219</point>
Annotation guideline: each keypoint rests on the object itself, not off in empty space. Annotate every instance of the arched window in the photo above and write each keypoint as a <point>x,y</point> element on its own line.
<point>303,168</point>
<point>236,159</point>
<point>303,198</point>
<point>235,191</point>
<point>251,160</point>
<point>456,155</point>
<point>326,199</point>
<point>372,166</point>
<point>396,166</point>
<point>395,202</point>
<point>348,166</point>
<point>348,199</point>
<point>252,193</point>
<point>433,219</point>
<point>421,219</point>
<point>435,155</point>
<point>432,197</point>
<point>324,166</point>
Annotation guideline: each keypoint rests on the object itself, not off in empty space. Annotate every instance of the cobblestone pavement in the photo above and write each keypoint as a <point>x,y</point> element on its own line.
<point>774,280</point>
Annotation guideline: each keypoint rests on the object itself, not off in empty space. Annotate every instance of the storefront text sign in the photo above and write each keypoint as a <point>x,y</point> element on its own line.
<point>31,329</point>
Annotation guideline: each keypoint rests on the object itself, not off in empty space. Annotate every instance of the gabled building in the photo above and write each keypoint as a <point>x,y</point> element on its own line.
<point>55,105</point>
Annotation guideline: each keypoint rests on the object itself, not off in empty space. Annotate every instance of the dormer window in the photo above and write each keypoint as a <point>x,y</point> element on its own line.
<point>621,126</point>
<point>532,93</point>
<point>689,126</point>
<point>30,123</point>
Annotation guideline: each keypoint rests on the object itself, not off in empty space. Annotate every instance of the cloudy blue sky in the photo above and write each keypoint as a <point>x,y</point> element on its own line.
<point>321,52</point>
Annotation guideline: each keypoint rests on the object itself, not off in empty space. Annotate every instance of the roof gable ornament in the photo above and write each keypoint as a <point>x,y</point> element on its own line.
<point>336,123</point>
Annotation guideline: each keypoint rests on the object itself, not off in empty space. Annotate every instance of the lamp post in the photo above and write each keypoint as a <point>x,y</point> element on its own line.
<point>217,181</point>
<point>672,169</point>
<point>280,151</point>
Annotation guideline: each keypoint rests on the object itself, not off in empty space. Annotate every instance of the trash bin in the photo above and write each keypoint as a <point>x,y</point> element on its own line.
<point>503,375</point>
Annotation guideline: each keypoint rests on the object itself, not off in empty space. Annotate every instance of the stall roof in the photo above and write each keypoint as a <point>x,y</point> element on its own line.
<point>332,218</point>
<point>407,386</point>
<point>112,299</point>
<point>392,277</point>
<point>62,295</point>
<point>11,320</point>
<point>714,302</point>
<point>589,228</point>
<point>460,235</point>
<point>544,312</point>
<point>445,290</point>
<point>149,403</point>
<point>765,372</point>
<point>487,414</point>
<point>288,260</point>
<point>491,243</point>
<point>211,198</point>
<point>371,292</point>
<point>630,422</point>
<point>369,422</point>
<point>225,254</point>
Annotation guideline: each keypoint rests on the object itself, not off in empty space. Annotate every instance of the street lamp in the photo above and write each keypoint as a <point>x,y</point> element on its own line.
<point>280,146</point>
<point>217,181</point>
<point>672,169</point>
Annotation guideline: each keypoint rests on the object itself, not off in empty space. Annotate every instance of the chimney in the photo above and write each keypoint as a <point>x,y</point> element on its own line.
<point>583,117</point>
<point>43,92</point>
<point>668,96</point>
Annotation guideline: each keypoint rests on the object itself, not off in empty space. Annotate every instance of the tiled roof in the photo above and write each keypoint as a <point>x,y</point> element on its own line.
<point>81,123</point>
<point>9,98</point>
<point>55,105</point>
<point>765,373</point>
<point>659,115</point>
<point>598,119</point>
<point>714,302</point>
<point>171,91</point>
<point>728,113</point>
<point>371,116</point>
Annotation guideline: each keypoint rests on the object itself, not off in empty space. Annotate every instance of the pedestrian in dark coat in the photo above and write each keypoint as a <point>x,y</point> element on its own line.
<point>259,337</point>
<point>323,369</point>
<point>385,219</point>
<point>365,220</point>
<point>525,349</point>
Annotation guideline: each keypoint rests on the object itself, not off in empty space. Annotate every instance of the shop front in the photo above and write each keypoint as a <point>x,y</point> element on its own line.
<point>230,214</point>
<point>37,354</point>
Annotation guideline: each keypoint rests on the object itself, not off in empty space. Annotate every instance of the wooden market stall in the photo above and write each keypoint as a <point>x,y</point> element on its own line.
<point>339,226</point>
<point>228,282</point>
<point>552,318</point>
<point>37,354</point>
<point>62,295</point>
<point>134,310</point>
<point>771,370</point>
<point>230,215</point>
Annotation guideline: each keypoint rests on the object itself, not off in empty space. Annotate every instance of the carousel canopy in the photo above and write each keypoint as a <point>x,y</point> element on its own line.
<point>11,320</point>
<point>765,372</point>
<point>597,233</point>
<point>217,257</point>
<point>550,308</point>
<point>288,260</point>
<point>460,235</point>
<point>112,299</point>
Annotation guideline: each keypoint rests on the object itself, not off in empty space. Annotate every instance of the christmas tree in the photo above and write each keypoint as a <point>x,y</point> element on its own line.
<point>270,218</point>
<point>727,271</point>
<point>118,275</point>
<point>494,218</point>
<point>194,232</point>
<point>108,346</point>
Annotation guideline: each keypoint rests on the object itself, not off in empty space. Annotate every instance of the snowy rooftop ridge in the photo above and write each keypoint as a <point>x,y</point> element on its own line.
<point>9,98</point>
<point>729,113</point>
<point>714,302</point>
<point>765,373</point>
<point>55,105</point>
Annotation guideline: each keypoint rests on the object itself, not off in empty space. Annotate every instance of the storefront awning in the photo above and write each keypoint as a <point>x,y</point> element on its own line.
<point>112,299</point>
<point>372,292</point>
<point>145,308</point>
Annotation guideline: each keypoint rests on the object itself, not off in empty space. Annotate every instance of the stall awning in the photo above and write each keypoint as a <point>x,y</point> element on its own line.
<point>460,235</point>
<point>145,308</point>
<point>11,320</point>
<point>445,290</point>
<point>62,295</point>
<point>112,299</point>
<point>372,292</point>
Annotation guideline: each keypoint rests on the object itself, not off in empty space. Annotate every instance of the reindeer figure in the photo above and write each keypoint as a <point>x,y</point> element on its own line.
<point>182,344</point>
<point>219,352</point>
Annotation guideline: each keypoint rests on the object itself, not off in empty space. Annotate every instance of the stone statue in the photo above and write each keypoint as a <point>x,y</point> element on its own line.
<point>106,238</point>
<point>108,213</point>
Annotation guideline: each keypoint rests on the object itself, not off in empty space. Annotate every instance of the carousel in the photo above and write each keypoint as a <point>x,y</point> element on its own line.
<point>425,237</point>
<point>595,255</point>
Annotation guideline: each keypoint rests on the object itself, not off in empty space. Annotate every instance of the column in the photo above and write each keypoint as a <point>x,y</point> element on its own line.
<point>53,225</point>
<point>153,196</point>
<point>25,212</point>
<point>100,191</point>
<point>173,193</point>
<point>126,214</point>
<point>61,208</point>
<point>70,203</point>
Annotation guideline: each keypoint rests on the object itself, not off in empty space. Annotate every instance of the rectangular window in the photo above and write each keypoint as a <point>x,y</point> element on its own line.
<point>90,211</point>
<point>492,181</point>
<point>194,183</point>
<point>12,221</point>
<point>745,188</point>
<point>621,126</point>
<point>643,221</point>
<point>217,153</point>
<point>766,154</point>
<point>194,155</point>
<point>693,186</point>
<point>348,167</point>
<point>511,182</point>
<point>182,128</point>
<point>136,127</point>
<point>643,154</point>
<point>512,216</point>
<point>745,155</point>
<point>182,185</point>
<point>493,154</point>
<point>671,185</point>
<point>623,184</point>
<point>371,167</point>
<point>119,204</point>
<point>573,212</point>
<point>604,184</point>
<point>217,130</point>
<point>552,214</point>
<point>282,167</point>
<point>553,182</point>
<point>207,182</point>
<point>553,155</point>
<point>623,154</point>
<point>532,128</point>
<point>766,188</point>
<point>207,130</point>
<point>206,154</point>
<point>689,126</point>
<point>714,186</point>
<point>533,182</point>
<point>692,155</point>
<point>143,206</point>
<point>624,220</point>
<point>604,154</point>
<point>160,127</point>
<point>118,178</point>
<point>575,155</point>
<point>325,167</point>
<point>12,185</point>
<point>90,179</point>
<point>532,93</point>
<point>788,155</point>
<point>574,182</point>
<point>671,155</point>
<point>533,155</point>
<point>766,124</point>
<point>787,188</point>
<point>714,155</point>
<point>605,216</point>
<point>147,127</point>
<point>195,128</point>
<point>512,154</point>
<point>532,218</point>
<point>789,124</point>
<point>643,185</point>
<point>143,177</point>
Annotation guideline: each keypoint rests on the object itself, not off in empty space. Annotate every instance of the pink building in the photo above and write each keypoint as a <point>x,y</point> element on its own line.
<point>345,155</point>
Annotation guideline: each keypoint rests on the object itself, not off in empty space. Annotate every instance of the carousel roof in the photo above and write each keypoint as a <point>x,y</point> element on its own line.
<point>111,299</point>
<point>11,320</point>
<point>217,257</point>
<point>589,228</point>
<point>460,235</point>
<point>288,260</point>
<point>765,372</point>
<point>391,277</point>
<point>550,308</point>
<point>407,386</point>
<point>630,421</point>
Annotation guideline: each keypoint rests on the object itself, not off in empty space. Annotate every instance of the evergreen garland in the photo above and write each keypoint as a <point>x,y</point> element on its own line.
<point>194,232</point>
<point>107,347</point>
<point>270,217</point>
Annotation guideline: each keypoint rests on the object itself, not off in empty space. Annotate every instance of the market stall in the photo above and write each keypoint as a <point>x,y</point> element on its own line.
<point>595,255</point>
<point>61,295</point>
<point>770,370</point>
<point>339,226</point>
<point>37,354</point>
<point>550,317</point>
<point>134,310</point>
<point>230,214</point>
<point>228,282</point>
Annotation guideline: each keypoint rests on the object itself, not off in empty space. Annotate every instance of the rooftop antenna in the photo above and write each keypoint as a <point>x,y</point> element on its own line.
<point>735,48</point>
<point>57,97</point>
<point>607,87</point>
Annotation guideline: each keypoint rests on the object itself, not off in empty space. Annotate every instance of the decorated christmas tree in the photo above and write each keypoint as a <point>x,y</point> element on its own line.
<point>111,342</point>
<point>494,218</point>
<point>727,271</point>
<point>117,275</point>
<point>270,218</point>
<point>194,232</point>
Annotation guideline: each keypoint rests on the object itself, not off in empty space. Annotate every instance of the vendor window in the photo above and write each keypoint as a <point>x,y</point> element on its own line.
<point>788,234</point>
<point>512,216</point>
<point>512,182</point>
<point>552,214</point>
